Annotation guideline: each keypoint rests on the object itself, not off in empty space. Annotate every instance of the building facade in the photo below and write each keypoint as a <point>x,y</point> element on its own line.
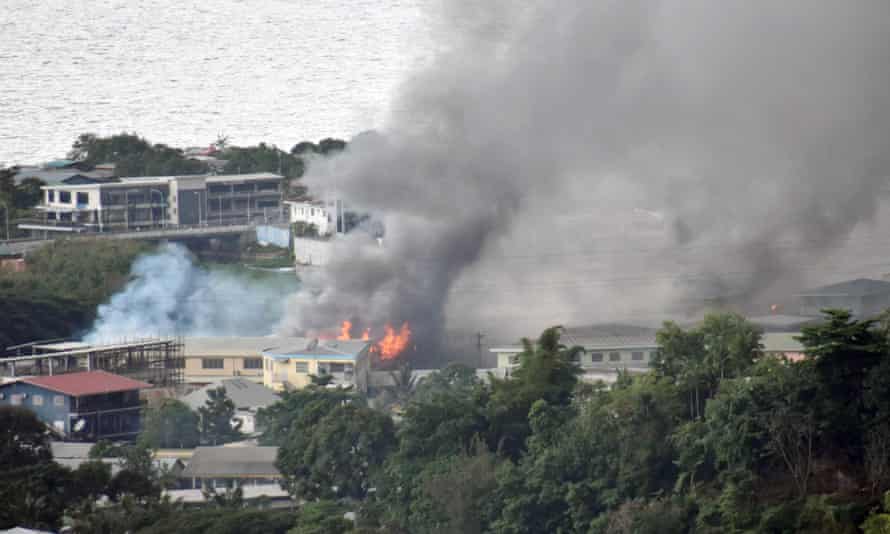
<point>231,467</point>
<point>608,348</point>
<point>82,406</point>
<point>211,359</point>
<point>292,367</point>
<point>153,202</point>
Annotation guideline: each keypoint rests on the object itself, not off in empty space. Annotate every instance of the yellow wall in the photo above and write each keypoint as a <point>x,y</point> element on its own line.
<point>277,373</point>
<point>232,366</point>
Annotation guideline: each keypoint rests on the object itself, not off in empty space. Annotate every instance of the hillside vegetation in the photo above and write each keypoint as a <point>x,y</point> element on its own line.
<point>64,282</point>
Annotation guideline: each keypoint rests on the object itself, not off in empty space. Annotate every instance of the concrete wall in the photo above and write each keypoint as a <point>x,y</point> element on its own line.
<point>232,366</point>
<point>312,251</point>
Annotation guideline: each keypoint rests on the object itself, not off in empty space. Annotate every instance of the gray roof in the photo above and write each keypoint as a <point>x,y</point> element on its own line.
<point>783,323</point>
<point>781,342</point>
<point>852,288</point>
<point>236,346</point>
<point>610,335</point>
<point>235,462</point>
<point>314,348</point>
<point>243,392</point>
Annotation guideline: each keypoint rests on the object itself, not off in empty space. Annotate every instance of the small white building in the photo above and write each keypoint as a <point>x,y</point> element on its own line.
<point>325,216</point>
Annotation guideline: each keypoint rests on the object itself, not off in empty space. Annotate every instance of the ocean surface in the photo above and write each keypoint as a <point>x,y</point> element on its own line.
<point>183,72</point>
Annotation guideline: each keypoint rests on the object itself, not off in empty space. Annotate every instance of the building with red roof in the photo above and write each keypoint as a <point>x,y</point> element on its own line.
<point>88,405</point>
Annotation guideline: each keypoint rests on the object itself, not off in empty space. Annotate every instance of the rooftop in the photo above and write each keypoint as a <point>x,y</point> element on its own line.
<point>329,348</point>
<point>236,346</point>
<point>244,394</point>
<point>610,335</point>
<point>239,462</point>
<point>859,287</point>
<point>86,383</point>
<point>156,180</point>
<point>781,342</point>
<point>781,322</point>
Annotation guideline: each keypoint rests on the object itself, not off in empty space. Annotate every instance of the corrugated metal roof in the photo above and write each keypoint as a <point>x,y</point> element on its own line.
<point>236,462</point>
<point>86,383</point>
<point>244,393</point>
<point>335,349</point>
<point>859,287</point>
<point>237,346</point>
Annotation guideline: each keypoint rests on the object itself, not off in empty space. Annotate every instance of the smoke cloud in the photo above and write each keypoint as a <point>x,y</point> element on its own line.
<point>591,159</point>
<point>170,295</point>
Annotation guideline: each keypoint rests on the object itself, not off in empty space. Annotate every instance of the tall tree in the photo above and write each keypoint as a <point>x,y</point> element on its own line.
<point>170,424</point>
<point>217,416</point>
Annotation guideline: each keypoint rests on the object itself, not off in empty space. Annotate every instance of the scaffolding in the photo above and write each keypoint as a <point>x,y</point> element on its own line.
<point>158,361</point>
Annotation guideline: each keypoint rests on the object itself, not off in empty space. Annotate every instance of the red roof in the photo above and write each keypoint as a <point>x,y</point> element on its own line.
<point>86,383</point>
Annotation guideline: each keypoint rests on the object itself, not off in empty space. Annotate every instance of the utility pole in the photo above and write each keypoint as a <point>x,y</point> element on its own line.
<point>479,337</point>
<point>6,214</point>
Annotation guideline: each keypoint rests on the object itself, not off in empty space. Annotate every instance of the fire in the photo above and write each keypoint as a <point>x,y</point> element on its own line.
<point>344,331</point>
<point>390,346</point>
<point>392,343</point>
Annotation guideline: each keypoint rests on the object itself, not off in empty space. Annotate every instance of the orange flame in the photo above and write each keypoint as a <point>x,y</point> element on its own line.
<point>344,331</point>
<point>366,335</point>
<point>392,343</point>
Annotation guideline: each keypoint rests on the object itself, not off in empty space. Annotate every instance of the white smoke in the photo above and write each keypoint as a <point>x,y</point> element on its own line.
<point>170,294</point>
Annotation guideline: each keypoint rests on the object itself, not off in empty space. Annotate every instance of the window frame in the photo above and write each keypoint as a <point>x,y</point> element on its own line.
<point>614,356</point>
<point>206,361</point>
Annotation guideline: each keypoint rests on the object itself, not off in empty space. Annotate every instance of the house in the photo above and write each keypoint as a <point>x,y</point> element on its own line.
<point>292,366</point>
<point>608,348</point>
<point>211,359</point>
<point>98,204</point>
<point>247,396</point>
<point>88,405</point>
<point>231,467</point>
<point>863,297</point>
<point>783,344</point>
<point>327,217</point>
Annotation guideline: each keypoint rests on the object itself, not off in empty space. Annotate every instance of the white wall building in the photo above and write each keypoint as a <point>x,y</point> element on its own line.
<point>324,215</point>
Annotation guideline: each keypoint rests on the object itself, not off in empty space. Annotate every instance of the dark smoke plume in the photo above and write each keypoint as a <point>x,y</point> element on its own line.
<point>515,168</point>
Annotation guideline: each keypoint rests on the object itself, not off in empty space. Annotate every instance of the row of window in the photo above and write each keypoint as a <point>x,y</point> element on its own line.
<point>299,367</point>
<point>36,399</point>
<point>65,197</point>
<point>219,363</point>
<point>326,368</point>
<point>636,356</point>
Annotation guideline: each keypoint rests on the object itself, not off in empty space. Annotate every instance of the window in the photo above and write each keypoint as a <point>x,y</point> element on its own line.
<point>37,400</point>
<point>614,356</point>
<point>83,198</point>
<point>253,363</point>
<point>636,356</point>
<point>65,197</point>
<point>301,367</point>
<point>59,400</point>
<point>51,195</point>
<point>596,356</point>
<point>324,369</point>
<point>211,363</point>
<point>337,368</point>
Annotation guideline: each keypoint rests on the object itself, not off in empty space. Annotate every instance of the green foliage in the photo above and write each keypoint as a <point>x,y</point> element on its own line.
<point>878,522</point>
<point>297,409</point>
<point>321,517</point>
<point>134,156</point>
<point>23,438</point>
<point>170,424</point>
<point>105,449</point>
<point>337,456</point>
<point>262,158</point>
<point>223,521</point>
<point>217,423</point>
<point>547,370</point>
<point>64,283</point>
